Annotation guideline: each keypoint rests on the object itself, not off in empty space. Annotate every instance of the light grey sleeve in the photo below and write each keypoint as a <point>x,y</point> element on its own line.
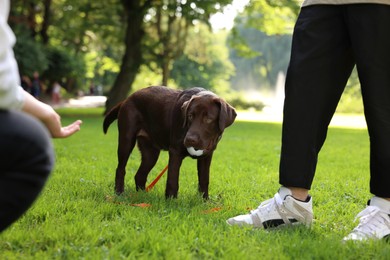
<point>11,94</point>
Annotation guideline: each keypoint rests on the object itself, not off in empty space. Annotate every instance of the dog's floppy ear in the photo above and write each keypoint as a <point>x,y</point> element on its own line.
<point>227,114</point>
<point>184,109</point>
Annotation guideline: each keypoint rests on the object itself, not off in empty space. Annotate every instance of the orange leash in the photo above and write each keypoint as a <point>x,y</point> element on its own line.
<point>151,185</point>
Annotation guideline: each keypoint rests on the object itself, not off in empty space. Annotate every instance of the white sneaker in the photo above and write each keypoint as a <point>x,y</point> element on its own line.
<point>282,209</point>
<point>374,221</point>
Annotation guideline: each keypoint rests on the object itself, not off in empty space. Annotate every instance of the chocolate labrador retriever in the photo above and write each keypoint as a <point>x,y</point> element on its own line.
<point>185,123</point>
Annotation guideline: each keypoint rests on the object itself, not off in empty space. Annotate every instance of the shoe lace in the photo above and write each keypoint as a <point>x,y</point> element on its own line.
<point>371,220</point>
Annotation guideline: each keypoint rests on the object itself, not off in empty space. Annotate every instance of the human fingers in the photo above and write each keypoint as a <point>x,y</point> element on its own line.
<point>69,130</point>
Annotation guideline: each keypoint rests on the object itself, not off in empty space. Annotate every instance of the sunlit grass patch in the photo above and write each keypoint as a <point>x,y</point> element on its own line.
<point>78,215</point>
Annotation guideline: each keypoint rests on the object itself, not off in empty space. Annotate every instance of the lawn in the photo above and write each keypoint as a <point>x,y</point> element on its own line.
<point>78,216</point>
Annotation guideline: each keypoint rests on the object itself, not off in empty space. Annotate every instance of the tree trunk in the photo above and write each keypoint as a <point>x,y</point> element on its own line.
<point>132,58</point>
<point>172,33</point>
<point>31,21</point>
<point>165,71</point>
<point>46,22</point>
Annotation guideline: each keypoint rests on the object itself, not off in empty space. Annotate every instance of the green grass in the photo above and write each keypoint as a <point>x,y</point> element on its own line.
<point>78,216</point>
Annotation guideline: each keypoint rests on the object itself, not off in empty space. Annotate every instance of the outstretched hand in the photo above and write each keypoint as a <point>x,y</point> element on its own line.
<point>49,118</point>
<point>58,131</point>
<point>71,129</point>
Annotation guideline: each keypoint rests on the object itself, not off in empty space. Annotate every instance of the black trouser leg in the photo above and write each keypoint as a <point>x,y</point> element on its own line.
<point>369,29</point>
<point>321,63</point>
<point>26,159</point>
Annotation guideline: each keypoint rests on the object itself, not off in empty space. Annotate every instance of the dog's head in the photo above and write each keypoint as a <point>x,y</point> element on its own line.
<point>206,116</point>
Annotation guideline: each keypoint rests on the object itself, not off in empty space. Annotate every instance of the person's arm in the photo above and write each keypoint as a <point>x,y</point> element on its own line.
<point>49,117</point>
<point>14,97</point>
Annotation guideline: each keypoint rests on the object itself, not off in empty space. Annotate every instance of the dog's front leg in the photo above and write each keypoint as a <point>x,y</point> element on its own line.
<point>120,180</point>
<point>174,164</point>
<point>204,175</point>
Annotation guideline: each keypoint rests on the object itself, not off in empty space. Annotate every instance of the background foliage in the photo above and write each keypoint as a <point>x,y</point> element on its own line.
<point>83,43</point>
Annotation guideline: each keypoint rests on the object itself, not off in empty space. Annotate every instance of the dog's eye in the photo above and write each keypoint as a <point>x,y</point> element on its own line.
<point>208,120</point>
<point>190,117</point>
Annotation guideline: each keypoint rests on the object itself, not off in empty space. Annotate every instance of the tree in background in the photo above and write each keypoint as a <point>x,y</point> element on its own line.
<point>27,13</point>
<point>79,28</point>
<point>135,12</point>
<point>260,62</point>
<point>272,16</point>
<point>79,41</point>
<point>166,36</point>
<point>31,55</point>
<point>159,29</point>
<point>51,33</point>
<point>260,43</point>
<point>205,61</point>
<point>88,36</point>
<point>29,52</point>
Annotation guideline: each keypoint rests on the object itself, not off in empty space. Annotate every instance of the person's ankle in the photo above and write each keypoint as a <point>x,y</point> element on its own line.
<point>299,193</point>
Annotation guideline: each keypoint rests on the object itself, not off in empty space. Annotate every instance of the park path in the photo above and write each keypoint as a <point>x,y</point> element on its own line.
<point>85,101</point>
<point>339,120</point>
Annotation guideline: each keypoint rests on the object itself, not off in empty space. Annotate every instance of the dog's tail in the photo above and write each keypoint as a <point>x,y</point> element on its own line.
<point>111,117</point>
